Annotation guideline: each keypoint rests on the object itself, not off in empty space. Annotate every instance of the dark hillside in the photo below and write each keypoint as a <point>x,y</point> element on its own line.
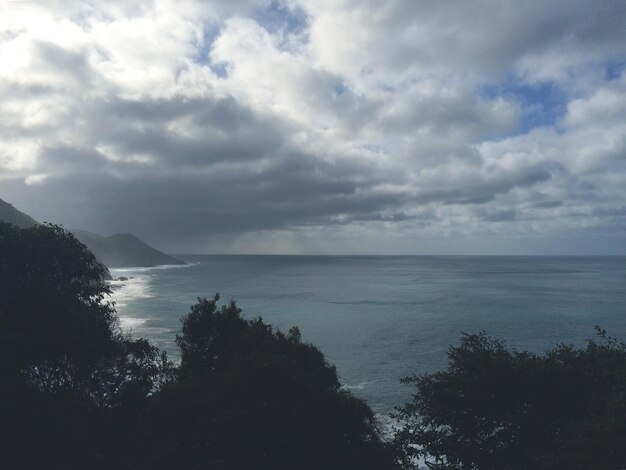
<point>11,215</point>
<point>116,251</point>
<point>123,250</point>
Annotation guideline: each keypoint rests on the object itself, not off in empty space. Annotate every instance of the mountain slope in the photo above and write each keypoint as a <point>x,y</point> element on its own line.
<point>123,250</point>
<point>116,251</point>
<point>10,214</point>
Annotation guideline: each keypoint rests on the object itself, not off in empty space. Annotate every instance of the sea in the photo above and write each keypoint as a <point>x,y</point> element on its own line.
<point>382,318</point>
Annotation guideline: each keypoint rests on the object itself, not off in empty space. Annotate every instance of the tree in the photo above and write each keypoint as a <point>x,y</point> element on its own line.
<point>54,317</point>
<point>248,396</point>
<point>499,409</point>
<point>77,393</point>
<point>64,363</point>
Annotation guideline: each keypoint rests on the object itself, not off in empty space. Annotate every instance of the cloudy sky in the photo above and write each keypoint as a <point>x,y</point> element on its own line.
<point>320,126</point>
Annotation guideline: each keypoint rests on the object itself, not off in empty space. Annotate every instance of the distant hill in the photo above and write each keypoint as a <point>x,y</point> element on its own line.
<point>123,250</point>
<point>116,251</point>
<point>10,214</point>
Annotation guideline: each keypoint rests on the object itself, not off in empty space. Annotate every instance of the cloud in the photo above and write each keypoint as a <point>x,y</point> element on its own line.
<point>485,38</point>
<point>318,126</point>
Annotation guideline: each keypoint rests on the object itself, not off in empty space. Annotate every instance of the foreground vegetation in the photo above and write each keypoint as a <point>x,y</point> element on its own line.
<point>499,409</point>
<point>75,392</point>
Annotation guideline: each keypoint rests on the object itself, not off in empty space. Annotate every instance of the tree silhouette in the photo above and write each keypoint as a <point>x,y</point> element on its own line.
<point>77,393</point>
<point>499,409</point>
<point>248,396</point>
<point>63,361</point>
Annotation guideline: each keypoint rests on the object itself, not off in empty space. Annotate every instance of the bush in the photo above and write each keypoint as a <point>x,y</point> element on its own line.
<point>499,409</point>
<point>64,363</point>
<point>248,396</point>
<point>76,393</point>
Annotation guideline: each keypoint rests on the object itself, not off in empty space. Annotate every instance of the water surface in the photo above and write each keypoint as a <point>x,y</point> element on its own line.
<point>380,318</point>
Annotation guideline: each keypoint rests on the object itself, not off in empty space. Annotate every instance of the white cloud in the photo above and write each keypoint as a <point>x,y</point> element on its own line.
<point>366,118</point>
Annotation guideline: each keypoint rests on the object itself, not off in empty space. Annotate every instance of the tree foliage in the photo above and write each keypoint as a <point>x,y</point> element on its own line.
<point>494,408</point>
<point>77,393</point>
<point>64,362</point>
<point>249,396</point>
<point>58,330</point>
<point>54,320</point>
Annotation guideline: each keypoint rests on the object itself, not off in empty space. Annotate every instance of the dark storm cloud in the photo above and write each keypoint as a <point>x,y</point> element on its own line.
<point>229,201</point>
<point>294,190</point>
<point>213,130</point>
<point>65,159</point>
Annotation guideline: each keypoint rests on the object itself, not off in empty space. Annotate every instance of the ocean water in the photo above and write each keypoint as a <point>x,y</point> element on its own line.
<point>381,318</point>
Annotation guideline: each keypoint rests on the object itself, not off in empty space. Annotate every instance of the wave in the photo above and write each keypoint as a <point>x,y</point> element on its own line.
<point>140,328</point>
<point>360,385</point>
<point>130,288</point>
<point>389,427</point>
<point>160,267</point>
<point>130,323</point>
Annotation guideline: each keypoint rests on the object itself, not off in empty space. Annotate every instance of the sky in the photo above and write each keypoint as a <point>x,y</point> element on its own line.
<point>320,126</point>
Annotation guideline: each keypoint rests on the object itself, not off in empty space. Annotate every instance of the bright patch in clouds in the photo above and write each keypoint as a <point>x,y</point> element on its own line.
<point>320,126</point>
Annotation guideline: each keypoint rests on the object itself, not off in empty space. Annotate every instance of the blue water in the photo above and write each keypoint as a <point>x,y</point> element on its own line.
<point>380,318</point>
